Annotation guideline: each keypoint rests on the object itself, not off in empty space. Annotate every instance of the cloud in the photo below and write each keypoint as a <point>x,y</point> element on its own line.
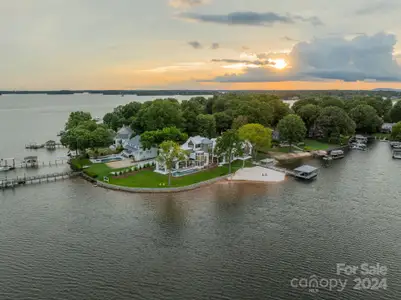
<point>249,18</point>
<point>362,58</point>
<point>215,46</point>
<point>195,44</point>
<point>187,3</point>
<point>185,66</point>
<point>287,38</point>
<point>378,6</point>
<point>245,62</point>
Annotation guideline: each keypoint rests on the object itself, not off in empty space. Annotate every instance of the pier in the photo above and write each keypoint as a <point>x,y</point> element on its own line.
<point>31,162</point>
<point>49,145</point>
<point>6,183</point>
<point>278,169</point>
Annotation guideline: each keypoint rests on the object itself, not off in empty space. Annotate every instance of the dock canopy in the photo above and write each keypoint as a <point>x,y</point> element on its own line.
<point>305,169</point>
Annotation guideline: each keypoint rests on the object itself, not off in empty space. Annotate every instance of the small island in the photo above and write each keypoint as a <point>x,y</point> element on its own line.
<point>165,144</point>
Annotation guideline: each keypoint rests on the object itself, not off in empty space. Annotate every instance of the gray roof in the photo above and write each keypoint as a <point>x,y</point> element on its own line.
<point>305,169</point>
<point>124,130</point>
<point>135,142</point>
<point>206,141</point>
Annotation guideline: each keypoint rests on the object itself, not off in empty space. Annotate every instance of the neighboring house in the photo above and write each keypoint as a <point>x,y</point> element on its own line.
<point>123,135</point>
<point>246,148</point>
<point>133,149</point>
<point>200,154</point>
<point>387,127</point>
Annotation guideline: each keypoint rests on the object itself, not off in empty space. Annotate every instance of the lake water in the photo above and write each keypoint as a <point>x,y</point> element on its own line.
<point>70,240</point>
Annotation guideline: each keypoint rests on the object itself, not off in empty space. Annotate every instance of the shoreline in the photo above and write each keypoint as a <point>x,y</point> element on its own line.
<point>154,190</point>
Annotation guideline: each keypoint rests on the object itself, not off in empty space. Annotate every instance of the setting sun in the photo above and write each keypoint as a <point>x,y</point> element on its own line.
<point>279,63</point>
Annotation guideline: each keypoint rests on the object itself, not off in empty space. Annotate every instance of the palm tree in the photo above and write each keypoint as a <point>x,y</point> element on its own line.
<point>170,153</point>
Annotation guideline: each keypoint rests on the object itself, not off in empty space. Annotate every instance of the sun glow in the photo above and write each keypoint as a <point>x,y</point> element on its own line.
<point>279,63</point>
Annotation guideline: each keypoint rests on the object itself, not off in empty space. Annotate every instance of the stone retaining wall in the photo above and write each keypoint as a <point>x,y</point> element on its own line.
<point>153,190</point>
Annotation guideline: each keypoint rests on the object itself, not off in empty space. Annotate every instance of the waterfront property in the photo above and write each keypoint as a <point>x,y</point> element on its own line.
<point>133,149</point>
<point>123,135</point>
<point>200,154</point>
<point>306,172</point>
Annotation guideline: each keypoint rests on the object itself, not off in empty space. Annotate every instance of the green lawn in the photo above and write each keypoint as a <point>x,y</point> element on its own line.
<point>318,145</point>
<point>150,179</point>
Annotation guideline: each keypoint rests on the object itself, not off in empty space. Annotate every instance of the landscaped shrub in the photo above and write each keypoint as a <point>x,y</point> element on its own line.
<point>135,168</point>
<point>307,148</point>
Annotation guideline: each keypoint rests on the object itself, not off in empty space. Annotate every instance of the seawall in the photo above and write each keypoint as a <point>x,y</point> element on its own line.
<point>154,190</point>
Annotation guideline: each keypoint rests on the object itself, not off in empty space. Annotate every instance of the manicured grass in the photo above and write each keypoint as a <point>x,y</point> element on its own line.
<point>150,179</point>
<point>318,145</point>
<point>276,149</point>
<point>100,170</point>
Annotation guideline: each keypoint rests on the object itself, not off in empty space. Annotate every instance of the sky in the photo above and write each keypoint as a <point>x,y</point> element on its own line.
<point>200,44</point>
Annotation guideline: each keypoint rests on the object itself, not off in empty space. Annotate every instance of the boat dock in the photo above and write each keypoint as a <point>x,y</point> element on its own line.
<point>278,169</point>
<point>304,172</point>
<point>49,145</point>
<point>30,162</point>
<point>6,183</point>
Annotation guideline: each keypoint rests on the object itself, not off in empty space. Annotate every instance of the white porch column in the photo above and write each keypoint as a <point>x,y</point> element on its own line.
<point>177,165</point>
<point>157,166</point>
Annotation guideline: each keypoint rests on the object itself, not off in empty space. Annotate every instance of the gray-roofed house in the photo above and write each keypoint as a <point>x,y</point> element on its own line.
<point>123,135</point>
<point>133,149</point>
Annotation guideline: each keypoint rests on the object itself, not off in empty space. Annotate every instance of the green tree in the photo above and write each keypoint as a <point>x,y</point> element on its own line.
<point>292,129</point>
<point>159,114</point>
<point>258,135</point>
<point>395,112</point>
<point>377,104</point>
<point>155,138</point>
<point>239,122</point>
<point>223,121</point>
<point>206,125</point>
<point>387,106</point>
<point>330,101</point>
<point>77,118</point>
<point>169,154</point>
<point>365,118</point>
<point>334,122</point>
<point>309,114</point>
<point>298,104</point>
<point>229,144</point>
<point>190,110</point>
<point>396,132</point>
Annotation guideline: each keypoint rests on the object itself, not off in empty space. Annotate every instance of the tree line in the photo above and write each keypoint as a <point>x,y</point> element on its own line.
<point>326,117</point>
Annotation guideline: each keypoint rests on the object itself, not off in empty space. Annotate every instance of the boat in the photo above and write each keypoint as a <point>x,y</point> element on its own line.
<point>394,144</point>
<point>97,119</point>
<point>359,146</point>
<point>34,146</point>
<point>6,168</point>
<point>327,157</point>
<point>397,153</point>
<point>337,154</point>
<point>306,172</point>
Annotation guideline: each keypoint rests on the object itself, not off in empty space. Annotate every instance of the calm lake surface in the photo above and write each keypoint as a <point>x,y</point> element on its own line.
<point>70,240</point>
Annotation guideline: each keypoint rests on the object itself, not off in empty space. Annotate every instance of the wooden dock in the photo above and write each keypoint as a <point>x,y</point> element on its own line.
<point>23,164</point>
<point>20,181</point>
<point>278,169</point>
<point>49,145</point>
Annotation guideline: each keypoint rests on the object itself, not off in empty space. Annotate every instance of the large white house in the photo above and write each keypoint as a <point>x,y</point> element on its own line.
<point>200,154</point>
<point>133,149</point>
